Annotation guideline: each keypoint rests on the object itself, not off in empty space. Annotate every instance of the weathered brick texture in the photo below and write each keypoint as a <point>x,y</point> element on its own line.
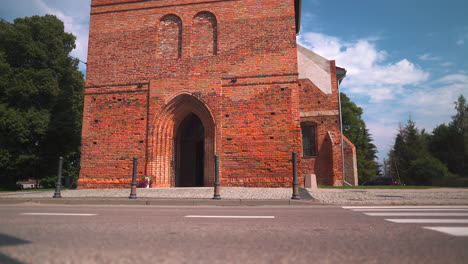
<point>232,63</point>
<point>350,162</point>
<point>323,110</point>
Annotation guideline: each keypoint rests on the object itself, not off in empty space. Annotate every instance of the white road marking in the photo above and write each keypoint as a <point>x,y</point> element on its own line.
<point>57,214</point>
<point>407,207</point>
<point>422,211</point>
<point>454,231</point>
<point>416,214</point>
<point>429,221</point>
<point>414,210</point>
<point>232,216</point>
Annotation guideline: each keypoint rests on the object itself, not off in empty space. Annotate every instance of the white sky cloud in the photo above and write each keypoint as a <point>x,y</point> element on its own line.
<point>462,37</point>
<point>446,64</point>
<point>368,72</point>
<point>429,57</point>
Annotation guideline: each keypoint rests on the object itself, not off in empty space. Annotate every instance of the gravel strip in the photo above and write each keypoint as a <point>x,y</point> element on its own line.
<point>177,193</point>
<point>441,196</point>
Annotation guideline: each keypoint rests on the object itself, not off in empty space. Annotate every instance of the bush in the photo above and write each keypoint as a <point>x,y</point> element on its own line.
<point>48,182</point>
<point>427,171</point>
<point>453,180</point>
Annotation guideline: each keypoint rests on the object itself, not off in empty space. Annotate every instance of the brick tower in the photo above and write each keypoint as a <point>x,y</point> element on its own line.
<point>174,82</point>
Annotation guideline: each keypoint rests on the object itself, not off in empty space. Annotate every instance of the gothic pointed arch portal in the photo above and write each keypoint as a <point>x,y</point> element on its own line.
<point>181,146</point>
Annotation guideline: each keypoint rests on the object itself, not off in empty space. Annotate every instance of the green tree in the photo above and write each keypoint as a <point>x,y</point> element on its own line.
<point>41,96</point>
<point>418,158</point>
<point>413,162</point>
<point>354,128</point>
<point>449,143</point>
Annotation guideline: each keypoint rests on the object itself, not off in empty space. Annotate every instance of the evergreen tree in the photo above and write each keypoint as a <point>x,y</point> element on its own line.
<point>354,128</point>
<point>449,143</point>
<point>41,95</point>
<point>413,162</point>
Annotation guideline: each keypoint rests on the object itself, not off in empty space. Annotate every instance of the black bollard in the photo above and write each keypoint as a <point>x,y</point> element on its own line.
<point>216,195</point>
<point>59,180</point>
<point>295,182</point>
<point>134,176</point>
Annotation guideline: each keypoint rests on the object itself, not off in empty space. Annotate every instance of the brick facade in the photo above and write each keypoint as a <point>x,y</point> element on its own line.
<point>231,63</point>
<point>350,162</point>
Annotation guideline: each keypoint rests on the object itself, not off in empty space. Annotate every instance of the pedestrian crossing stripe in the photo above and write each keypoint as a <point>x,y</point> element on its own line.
<point>454,231</point>
<point>409,207</point>
<point>428,221</point>
<point>416,214</point>
<point>413,210</point>
<point>428,215</point>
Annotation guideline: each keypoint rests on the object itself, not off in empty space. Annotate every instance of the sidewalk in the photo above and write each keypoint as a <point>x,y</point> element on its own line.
<point>245,196</point>
<point>231,196</point>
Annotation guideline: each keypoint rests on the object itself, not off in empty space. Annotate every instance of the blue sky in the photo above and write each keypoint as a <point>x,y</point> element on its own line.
<point>404,58</point>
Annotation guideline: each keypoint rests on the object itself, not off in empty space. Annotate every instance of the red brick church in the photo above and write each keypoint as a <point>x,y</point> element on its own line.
<point>174,82</point>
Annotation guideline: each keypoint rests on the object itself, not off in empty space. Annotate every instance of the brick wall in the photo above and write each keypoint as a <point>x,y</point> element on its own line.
<point>350,162</point>
<point>322,110</point>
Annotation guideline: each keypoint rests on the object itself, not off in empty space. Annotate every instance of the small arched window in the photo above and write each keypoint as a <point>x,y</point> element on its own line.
<point>170,36</point>
<point>204,34</point>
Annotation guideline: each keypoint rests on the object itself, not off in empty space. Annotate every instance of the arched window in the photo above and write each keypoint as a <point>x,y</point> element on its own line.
<point>170,36</point>
<point>204,34</point>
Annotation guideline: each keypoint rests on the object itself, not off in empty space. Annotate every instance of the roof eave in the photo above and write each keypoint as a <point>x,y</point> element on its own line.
<point>298,9</point>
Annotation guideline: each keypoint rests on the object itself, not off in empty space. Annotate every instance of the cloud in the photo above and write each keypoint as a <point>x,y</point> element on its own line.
<point>455,79</point>
<point>436,99</point>
<point>446,64</point>
<point>462,37</point>
<point>368,71</point>
<point>429,57</point>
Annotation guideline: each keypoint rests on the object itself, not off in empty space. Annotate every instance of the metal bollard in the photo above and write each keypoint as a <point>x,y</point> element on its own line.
<point>216,195</point>
<point>295,182</point>
<point>59,180</point>
<point>134,176</point>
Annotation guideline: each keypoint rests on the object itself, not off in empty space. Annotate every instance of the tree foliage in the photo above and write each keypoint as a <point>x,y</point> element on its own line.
<point>449,143</point>
<point>439,158</point>
<point>354,128</point>
<point>41,95</point>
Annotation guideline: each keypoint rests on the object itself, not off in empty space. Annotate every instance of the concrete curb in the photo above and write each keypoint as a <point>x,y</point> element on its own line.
<point>158,202</point>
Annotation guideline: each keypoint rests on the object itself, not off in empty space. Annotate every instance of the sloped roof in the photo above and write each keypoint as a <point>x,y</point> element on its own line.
<point>315,68</point>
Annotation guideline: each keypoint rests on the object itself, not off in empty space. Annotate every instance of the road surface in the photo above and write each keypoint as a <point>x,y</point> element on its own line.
<point>281,234</point>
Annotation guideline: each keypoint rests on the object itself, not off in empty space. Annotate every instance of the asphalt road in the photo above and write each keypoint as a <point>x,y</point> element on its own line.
<point>151,234</point>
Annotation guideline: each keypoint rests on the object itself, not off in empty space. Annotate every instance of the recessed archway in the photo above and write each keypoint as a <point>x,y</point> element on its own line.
<point>181,146</point>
